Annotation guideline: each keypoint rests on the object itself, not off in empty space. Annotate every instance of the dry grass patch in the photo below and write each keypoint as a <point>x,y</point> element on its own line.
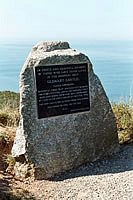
<point>124,117</point>
<point>9,108</point>
<point>16,195</point>
<point>9,119</point>
<point>7,135</point>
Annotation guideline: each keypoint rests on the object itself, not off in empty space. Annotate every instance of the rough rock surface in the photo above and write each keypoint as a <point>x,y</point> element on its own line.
<point>56,144</point>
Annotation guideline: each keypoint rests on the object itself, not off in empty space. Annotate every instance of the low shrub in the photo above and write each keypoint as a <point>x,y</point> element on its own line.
<point>4,117</point>
<point>10,99</point>
<point>16,195</point>
<point>9,108</point>
<point>10,161</point>
<point>9,117</point>
<point>124,118</point>
<point>4,138</point>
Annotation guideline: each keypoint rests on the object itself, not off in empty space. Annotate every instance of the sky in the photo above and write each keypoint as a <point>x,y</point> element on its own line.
<point>66,19</point>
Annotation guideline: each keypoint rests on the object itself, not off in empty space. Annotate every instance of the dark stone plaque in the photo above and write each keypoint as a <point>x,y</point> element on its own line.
<point>62,89</point>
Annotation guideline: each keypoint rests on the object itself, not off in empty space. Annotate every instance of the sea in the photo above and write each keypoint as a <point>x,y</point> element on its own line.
<point>112,62</point>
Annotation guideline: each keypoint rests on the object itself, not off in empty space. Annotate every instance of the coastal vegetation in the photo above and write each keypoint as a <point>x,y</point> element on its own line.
<point>20,194</point>
<point>124,118</point>
<point>9,108</point>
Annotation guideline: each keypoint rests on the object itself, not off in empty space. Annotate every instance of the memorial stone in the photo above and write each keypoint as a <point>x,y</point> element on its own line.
<point>66,117</point>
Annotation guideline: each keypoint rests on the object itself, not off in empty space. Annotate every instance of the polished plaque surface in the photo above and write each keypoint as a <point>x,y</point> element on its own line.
<point>62,89</point>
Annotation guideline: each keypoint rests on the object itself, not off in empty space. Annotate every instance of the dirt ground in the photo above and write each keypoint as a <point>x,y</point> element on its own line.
<point>30,188</point>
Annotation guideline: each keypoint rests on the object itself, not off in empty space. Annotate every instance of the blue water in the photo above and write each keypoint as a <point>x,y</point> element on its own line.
<point>112,62</point>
